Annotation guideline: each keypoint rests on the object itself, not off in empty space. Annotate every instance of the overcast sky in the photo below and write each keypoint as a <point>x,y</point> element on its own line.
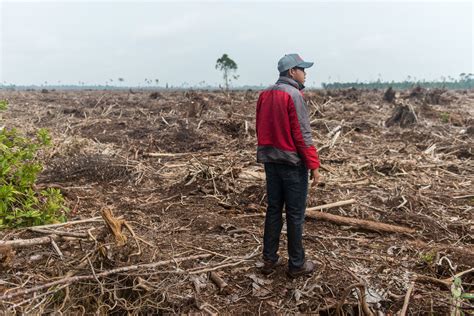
<point>177,42</point>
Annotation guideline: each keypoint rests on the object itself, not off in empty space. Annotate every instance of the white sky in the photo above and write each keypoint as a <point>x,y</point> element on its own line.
<point>177,42</point>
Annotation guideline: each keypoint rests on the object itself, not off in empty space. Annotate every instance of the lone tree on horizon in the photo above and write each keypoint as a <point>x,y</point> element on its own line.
<point>227,66</point>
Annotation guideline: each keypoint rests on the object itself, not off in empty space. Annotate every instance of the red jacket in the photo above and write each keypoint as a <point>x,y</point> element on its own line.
<point>283,128</point>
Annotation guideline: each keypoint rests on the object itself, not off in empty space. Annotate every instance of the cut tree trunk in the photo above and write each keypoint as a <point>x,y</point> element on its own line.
<point>389,95</point>
<point>403,115</point>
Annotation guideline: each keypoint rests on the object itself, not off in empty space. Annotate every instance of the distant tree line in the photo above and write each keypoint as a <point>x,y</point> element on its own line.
<point>465,81</point>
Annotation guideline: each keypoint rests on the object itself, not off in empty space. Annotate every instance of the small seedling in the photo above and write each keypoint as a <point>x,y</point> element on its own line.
<point>444,117</point>
<point>428,257</point>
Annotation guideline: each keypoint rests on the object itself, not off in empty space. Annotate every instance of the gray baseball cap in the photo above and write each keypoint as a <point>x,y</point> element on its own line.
<point>292,60</point>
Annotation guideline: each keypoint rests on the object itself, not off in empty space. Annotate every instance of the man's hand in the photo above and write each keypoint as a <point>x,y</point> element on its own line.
<point>314,175</point>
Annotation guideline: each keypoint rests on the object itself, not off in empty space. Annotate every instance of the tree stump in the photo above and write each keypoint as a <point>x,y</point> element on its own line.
<point>155,95</point>
<point>389,95</point>
<point>115,225</point>
<point>417,93</point>
<point>403,115</point>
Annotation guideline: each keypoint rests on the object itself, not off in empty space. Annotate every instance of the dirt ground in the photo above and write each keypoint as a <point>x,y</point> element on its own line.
<point>179,169</point>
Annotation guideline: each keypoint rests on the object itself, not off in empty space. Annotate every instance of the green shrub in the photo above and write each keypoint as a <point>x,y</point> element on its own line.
<point>20,204</point>
<point>3,104</point>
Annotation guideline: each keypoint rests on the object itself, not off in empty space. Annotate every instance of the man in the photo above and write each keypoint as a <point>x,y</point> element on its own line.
<point>286,148</point>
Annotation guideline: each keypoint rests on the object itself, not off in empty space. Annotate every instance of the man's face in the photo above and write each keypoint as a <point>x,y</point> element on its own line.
<point>298,74</point>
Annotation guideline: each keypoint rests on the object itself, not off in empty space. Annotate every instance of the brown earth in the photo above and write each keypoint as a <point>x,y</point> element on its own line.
<point>180,169</point>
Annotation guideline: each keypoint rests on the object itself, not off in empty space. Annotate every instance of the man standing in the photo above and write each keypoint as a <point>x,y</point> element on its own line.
<point>285,146</point>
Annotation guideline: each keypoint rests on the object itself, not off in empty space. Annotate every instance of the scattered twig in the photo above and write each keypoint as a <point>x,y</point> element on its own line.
<point>363,302</point>
<point>407,299</point>
<point>70,280</point>
<point>19,243</point>
<point>59,233</point>
<point>217,280</point>
<point>331,205</point>
<point>56,248</point>
<point>81,221</point>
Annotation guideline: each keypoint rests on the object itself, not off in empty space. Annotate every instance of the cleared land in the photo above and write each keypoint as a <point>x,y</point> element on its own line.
<point>175,178</point>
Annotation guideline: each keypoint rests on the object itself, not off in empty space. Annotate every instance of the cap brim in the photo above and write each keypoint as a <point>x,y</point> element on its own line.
<point>305,64</point>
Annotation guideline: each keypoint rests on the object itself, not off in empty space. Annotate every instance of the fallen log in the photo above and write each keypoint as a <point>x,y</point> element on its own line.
<point>358,223</point>
<point>312,212</point>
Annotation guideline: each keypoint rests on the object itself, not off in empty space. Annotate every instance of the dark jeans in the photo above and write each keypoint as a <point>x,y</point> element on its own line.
<point>286,185</point>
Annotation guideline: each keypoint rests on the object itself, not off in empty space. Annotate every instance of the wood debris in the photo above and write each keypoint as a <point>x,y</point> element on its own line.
<point>178,170</point>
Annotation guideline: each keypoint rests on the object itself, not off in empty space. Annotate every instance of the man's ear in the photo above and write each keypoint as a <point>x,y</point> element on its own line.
<point>291,73</point>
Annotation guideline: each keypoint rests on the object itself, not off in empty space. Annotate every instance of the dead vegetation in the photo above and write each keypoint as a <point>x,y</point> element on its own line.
<point>167,206</point>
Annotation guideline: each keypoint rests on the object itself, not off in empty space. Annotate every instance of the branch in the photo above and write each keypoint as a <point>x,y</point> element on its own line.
<point>407,299</point>
<point>69,280</point>
<point>363,302</point>
<point>18,243</point>
<point>330,205</point>
<point>81,221</point>
<point>221,284</point>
